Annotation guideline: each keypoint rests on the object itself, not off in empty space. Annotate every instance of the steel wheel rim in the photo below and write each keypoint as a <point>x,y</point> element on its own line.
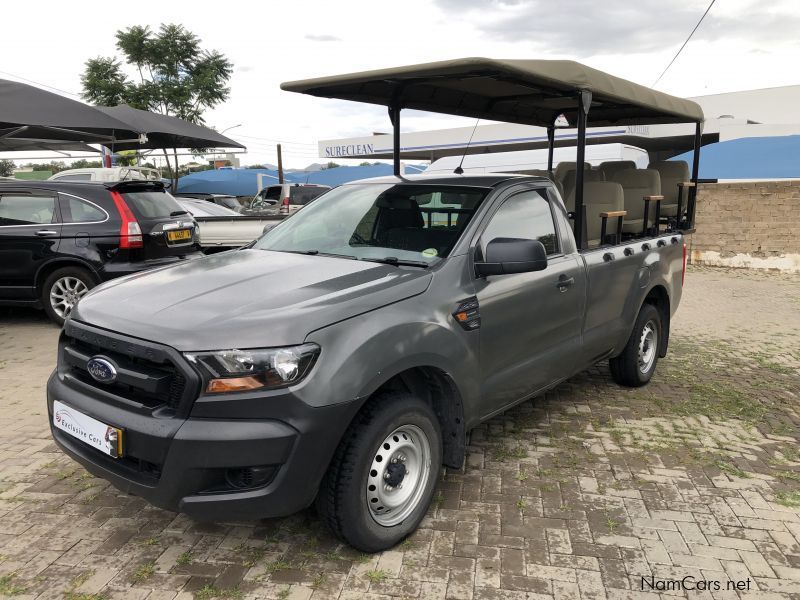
<point>648,344</point>
<point>65,293</point>
<point>404,455</point>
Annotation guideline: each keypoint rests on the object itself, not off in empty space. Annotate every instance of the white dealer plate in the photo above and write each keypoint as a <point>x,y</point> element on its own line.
<point>98,435</point>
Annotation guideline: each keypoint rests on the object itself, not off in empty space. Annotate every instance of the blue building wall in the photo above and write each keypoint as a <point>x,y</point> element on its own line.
<point>749,158</point>
<point>244,182</point>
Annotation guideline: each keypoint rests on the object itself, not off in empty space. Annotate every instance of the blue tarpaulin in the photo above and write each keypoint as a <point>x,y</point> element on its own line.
<point>244,182</point>
<point>749,158</point>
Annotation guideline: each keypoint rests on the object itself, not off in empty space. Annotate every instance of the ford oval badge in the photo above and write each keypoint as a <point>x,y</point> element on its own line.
<point>101,369</point>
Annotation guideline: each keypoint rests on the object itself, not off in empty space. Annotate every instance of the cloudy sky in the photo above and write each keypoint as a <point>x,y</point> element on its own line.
<point>742,44</point>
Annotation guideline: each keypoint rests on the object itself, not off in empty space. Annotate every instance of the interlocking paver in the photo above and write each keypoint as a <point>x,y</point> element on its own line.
<point>696,474</point>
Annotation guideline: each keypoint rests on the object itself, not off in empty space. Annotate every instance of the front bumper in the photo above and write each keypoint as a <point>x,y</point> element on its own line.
<point>184,465</point>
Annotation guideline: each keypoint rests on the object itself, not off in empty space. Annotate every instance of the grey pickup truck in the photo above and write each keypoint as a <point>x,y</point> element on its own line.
<point>343,358</point>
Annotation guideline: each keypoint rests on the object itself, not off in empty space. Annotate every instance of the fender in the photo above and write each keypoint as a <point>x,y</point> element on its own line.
<point>64,262</point>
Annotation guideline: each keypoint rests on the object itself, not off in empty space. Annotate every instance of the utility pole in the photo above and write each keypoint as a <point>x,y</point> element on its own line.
<point>280,165</point>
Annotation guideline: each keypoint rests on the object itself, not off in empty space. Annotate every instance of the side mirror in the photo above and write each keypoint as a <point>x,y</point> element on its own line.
<point>505,256</point>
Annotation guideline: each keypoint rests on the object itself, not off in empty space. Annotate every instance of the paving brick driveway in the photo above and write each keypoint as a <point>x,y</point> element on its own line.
<point>581,494</point>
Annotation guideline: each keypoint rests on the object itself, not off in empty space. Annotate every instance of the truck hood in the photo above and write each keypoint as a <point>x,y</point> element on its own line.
<point>245,299</point>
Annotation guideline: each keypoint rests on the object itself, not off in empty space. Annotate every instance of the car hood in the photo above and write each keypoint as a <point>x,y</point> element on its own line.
<point>245,299</point>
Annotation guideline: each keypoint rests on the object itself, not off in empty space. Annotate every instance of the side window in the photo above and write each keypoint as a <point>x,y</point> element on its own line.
<point>27,210</point>
<point>526,215</point>
<point>80,211</point>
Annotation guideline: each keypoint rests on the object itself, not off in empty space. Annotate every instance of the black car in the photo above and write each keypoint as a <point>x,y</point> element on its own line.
<point>58,240</point>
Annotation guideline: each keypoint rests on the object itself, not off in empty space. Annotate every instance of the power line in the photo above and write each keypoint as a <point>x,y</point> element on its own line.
<point>253,137</point>
<point>50,87</point>
<point>684,44</point>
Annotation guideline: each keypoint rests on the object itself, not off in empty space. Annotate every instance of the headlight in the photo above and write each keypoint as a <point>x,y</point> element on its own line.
<point>244,370</point>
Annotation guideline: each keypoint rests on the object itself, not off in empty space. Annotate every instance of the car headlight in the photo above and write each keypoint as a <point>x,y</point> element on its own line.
<point>246,370</point>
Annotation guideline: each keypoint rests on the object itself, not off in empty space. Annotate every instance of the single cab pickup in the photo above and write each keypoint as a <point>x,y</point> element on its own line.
<point>344,356</point>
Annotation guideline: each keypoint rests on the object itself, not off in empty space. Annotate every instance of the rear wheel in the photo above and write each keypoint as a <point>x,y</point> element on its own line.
<point>637,363</point>
<point>382,477</point>
<point>62,289</point>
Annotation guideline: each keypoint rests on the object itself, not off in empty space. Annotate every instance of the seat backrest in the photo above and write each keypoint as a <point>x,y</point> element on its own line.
<point>599,196</point>
<point>610,167</point>
<point>397,213</point>
<point>636,184</point>
<point>588,175</point>
<point>567,165</point>
<point>672,172</point>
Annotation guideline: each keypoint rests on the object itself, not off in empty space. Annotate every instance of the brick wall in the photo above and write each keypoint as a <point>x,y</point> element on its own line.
<point>749,224</point>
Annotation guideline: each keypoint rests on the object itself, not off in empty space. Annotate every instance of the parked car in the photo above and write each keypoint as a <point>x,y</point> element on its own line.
<point>221,228</point>
<point>60,239</point>
<point>225,200</point>
<point>107,174</point>
<point>288,197</point>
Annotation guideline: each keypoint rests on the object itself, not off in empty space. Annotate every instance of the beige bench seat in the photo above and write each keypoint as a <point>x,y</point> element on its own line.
<point>638,184</point>
<point>599,197</point>
<point>672,174</point>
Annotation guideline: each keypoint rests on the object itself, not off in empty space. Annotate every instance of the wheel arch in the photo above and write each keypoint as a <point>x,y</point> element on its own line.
<point>658,296</point>
<point>434,385</point>
<point>50,266</point>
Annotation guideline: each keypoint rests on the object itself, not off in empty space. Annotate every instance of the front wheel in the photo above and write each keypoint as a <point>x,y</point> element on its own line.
<point>637,363</point>
<point>382,477</point>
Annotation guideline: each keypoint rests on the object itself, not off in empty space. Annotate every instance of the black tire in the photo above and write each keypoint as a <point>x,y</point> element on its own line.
<point>58,313</point>
<point>626,368</point>
<point>342,500</point>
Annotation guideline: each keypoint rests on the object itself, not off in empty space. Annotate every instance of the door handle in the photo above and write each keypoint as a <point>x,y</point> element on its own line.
<point>46,233</point>
<point>564,282</point>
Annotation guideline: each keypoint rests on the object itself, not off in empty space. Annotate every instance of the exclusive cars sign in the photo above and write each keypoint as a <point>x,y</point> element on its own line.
<point>105,438</point>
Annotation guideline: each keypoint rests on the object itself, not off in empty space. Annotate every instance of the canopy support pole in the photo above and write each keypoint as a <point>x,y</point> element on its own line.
<point>584,102</point>
<point>394,117</point>
<point>551,138</point>
<point>691,201</point>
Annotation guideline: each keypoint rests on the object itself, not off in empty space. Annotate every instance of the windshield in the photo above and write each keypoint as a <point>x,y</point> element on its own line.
<point>407,222</point>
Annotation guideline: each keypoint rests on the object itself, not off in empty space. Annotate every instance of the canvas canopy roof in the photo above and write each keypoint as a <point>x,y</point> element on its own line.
<point>164,131</point>
<point>533,92</point>
<point>28,113</point>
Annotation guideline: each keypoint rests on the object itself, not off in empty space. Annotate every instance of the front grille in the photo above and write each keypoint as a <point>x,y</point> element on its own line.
<point>148,374</point>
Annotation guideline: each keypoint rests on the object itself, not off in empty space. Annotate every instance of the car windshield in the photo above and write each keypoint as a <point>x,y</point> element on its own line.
<point>413,223</point>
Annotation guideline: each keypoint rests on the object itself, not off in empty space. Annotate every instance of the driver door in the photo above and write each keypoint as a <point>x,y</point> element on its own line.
<point>530,322</point>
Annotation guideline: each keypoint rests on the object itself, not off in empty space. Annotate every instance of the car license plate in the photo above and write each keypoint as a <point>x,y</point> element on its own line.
<point>179,235</point>
<point>98,435</point>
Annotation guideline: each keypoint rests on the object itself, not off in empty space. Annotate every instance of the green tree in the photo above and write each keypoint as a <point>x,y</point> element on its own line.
<point>82,163</point>
<point>174,75</point>
<point>330,165</point>
<point>6,168</point>
<point>53,166</point>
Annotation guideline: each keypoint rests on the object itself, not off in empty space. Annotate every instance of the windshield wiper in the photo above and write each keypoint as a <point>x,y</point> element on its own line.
<point>318,253</point>
<point>397,262</point>
<point>175,213</point>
